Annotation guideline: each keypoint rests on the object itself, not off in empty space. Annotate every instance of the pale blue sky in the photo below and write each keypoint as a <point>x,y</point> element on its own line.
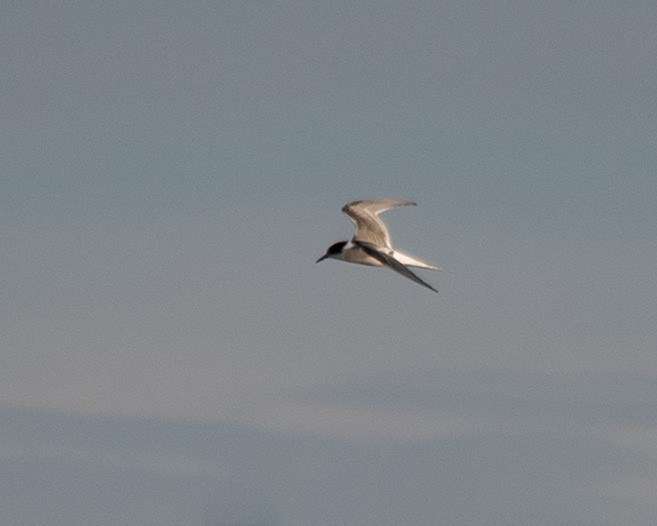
<point>170,353</point>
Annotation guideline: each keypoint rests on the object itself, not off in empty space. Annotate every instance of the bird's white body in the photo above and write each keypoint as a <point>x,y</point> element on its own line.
<point>371,243</point>
<point>352,253</point>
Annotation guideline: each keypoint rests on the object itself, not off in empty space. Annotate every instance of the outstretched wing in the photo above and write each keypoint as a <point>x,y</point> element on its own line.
<point>365,215</point>
<point>390,261</point>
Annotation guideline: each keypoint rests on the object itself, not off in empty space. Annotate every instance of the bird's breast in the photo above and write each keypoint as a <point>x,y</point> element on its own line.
<point>359,256</point>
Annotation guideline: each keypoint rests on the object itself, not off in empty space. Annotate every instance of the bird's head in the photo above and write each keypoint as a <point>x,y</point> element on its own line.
<point>334,250</point>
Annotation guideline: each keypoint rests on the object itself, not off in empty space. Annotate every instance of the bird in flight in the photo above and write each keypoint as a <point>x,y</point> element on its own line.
<point>371,242</point>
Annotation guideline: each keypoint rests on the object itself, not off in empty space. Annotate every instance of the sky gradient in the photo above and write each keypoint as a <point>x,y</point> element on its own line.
<point>169,351</point>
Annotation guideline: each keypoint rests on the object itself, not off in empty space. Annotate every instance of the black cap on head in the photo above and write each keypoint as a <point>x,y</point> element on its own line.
<point>335,248</point>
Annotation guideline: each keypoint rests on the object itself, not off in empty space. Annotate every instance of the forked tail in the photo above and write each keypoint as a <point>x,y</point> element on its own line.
<point>409,261</point>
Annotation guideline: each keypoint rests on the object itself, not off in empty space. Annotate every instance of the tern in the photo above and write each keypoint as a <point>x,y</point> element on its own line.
<point>371,243</point>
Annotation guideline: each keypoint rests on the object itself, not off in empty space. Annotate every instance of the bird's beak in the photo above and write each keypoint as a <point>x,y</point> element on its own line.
<point>322,258</point>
